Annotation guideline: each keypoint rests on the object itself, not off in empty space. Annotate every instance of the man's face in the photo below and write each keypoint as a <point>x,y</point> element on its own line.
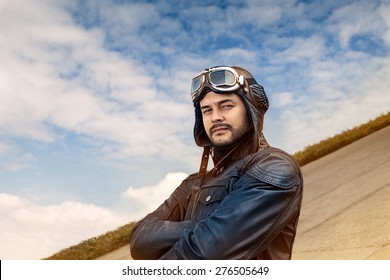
<point>224,118</point>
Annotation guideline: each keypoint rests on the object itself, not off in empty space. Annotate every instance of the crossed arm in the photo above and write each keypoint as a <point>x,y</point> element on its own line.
<point>243,225</point>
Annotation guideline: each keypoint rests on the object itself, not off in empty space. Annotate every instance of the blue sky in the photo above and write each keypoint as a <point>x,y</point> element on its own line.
<point>95,115</point>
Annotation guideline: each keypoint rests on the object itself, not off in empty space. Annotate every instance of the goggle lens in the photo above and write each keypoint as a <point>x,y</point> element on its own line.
<point>222,78</point>
<point>197,83</point>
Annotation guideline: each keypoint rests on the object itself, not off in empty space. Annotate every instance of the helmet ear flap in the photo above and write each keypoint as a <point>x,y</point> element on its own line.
<point>200,135</point>
<point>259,98</point>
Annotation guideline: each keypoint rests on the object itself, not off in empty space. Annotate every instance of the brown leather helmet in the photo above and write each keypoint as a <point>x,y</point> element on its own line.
<point>229,79</point>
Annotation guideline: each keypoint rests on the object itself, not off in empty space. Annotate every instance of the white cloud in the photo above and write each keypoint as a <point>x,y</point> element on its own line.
<point>19,162</point>
<point>258,15</point>
<point>13,159</point>
<point>59,75</point>
<point>348,94</point>
<point>356,19</point>
<point>300,50</point>
<point>30,230</point>
<point>235,53</point>
<point>282,99</point>
<point>148,198</point>
<point>33,231</point>
<point>384,14</point>
<point>4,148</point>
<point>334,89</point>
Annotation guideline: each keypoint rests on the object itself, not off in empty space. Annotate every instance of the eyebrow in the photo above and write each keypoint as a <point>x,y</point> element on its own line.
<point>219,103</point>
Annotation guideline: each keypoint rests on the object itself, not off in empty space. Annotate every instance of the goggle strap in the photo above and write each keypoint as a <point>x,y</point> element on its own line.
<point>251,81</point>
<point>241,80</point>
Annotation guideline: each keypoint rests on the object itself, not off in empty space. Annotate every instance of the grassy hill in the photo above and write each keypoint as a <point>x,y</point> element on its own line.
<point>112,240</point>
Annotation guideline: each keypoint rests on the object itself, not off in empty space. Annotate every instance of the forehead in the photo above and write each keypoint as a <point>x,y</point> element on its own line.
<point>212,97</point>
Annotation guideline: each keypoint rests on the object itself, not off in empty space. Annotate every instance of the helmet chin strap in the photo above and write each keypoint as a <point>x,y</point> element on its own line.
<point>207,151</point>
<point>204,162</point>
<point>262,144</point>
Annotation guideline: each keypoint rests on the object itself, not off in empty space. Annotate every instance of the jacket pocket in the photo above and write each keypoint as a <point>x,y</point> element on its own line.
<point>209,200</point>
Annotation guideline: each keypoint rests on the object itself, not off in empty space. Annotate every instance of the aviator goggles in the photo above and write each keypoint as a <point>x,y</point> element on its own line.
<point>218,79</point>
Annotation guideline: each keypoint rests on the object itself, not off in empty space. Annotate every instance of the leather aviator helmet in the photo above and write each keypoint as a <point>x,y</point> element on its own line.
<point>229,79</point>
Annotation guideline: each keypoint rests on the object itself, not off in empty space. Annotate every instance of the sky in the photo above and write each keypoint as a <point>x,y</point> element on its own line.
<point>96,120</point>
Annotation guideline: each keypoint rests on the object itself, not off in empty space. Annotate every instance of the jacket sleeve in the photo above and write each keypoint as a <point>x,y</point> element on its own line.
<point>263,201</point>
<point>160,230</point>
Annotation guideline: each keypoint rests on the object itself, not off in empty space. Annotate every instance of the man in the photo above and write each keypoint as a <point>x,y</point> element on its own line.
<point>247,206</point>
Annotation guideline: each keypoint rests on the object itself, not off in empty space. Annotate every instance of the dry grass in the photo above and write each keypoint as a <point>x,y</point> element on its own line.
<point>325,147</point>
<point>96,246</point>
<point>112,240</point>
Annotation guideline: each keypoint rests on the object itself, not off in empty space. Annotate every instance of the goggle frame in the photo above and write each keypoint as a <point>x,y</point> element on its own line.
<point>206,79</point>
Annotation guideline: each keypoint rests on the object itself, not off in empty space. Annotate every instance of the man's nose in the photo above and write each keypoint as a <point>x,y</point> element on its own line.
<point>217,116</point>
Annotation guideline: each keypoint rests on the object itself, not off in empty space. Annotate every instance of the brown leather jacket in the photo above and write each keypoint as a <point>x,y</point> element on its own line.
<point>248,210</point>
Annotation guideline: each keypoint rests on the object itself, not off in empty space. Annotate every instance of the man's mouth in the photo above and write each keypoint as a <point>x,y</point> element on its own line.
<point>219,128</point>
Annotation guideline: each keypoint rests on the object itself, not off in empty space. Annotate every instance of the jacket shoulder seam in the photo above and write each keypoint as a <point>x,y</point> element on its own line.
<point>275,167</point>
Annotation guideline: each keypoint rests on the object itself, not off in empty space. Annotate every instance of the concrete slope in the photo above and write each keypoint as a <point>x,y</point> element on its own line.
<point>346,205</point>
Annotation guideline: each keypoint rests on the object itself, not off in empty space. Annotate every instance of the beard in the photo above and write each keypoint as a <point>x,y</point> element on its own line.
<point>231,135</point>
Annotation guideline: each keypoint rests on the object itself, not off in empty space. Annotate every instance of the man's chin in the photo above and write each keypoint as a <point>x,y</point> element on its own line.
<point>220,142</point>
